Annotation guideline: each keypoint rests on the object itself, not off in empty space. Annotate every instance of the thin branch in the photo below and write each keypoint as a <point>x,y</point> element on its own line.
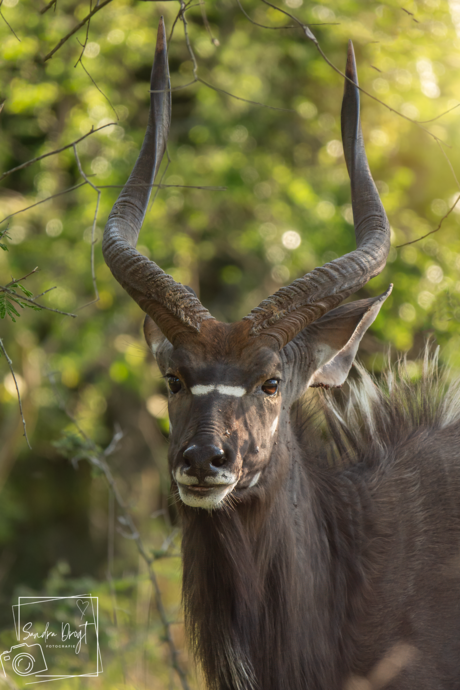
<point>23,298</point>
<point>99,460</point>
<point>160,185</point>
<point>183,9</point>
<point>8,24</point>
<point>83,45</point>
<point>214,41</point>
<point>97,87</point>
<point>75,29</point>
<point>311,37</point>
<point>112,186</point>
<point>279,28</point>
<point>42,201</point>
<point>19,280</point>
<point>432,232</point>
<point>433,119</point>
<point>10,364</point>
<point>48,7</point>
<point>52,153</point>
<point>245,100</point>
<point>93,229</point>
<point>181,15</point>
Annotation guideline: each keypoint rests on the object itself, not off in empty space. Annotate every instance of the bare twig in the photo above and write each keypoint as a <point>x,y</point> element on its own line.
<point>214,41</point>
<point>112,186</point>
<point>181,15</point>
<point>18,280</point>
<point>42,201</point>
<point>97,87</point>
<point>83,45</point>
<point>93,228</point>
<point>52,153</point>
<point>48,7</point>
<point>8,24</point>
<point>10,364</point>
<point>279,28</point>
<point>160,185</point>
<point>99,460</point>
<point>311,37</point>
<point>75,29</point>
<point>432,232</point>
<point>245,100</point>
<point>183,9</point>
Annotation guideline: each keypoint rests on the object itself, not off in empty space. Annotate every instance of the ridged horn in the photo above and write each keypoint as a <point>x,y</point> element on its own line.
<point>292,308</point>
<point>176,310</point>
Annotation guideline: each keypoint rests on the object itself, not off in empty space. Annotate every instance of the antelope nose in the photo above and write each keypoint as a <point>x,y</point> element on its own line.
<point>203,461</point>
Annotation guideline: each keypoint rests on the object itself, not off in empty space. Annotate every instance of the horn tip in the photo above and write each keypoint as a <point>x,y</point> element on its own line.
<point>161,36</point>
<point>351,70</point>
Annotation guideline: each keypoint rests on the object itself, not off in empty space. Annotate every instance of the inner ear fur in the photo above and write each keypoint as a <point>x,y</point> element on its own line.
<point>334,339</point>
<point>152,334</point>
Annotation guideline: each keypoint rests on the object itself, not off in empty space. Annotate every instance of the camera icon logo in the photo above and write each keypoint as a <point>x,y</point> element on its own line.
<point>24,659</point>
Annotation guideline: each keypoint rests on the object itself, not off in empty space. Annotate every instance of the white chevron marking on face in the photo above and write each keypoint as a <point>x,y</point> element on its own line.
<point>274,426</point>
<point>236,391</point>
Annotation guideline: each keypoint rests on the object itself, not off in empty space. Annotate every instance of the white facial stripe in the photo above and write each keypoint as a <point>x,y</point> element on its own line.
<point>236,391</point>
<point>254,480</point>
<point>274,426</point>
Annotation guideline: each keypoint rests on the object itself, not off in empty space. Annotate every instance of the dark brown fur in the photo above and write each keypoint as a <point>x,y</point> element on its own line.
<point>316,581</point>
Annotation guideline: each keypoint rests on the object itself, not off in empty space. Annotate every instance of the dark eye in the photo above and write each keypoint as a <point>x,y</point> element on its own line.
<point>174,384</point>
<point>270,386</point>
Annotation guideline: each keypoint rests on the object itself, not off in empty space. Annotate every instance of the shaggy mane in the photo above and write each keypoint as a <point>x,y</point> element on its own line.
<point>375,414</point>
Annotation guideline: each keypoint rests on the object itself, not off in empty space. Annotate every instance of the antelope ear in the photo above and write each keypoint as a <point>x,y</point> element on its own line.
<point>334,339</point>
<point>152,334</point>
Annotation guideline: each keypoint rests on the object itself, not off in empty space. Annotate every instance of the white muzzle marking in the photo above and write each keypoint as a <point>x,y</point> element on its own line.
<point>219,487</point>
<point>236,391</point>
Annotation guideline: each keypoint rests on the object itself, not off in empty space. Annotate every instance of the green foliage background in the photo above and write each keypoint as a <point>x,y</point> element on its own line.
<point>283,171</point>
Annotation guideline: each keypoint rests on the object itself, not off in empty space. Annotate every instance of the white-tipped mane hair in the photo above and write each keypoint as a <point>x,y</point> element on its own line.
<point>380,411</point>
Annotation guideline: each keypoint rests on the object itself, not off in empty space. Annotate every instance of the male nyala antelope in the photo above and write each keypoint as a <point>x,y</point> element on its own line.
<point>301,573</point>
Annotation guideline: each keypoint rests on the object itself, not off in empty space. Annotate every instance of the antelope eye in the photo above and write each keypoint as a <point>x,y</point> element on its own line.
<point>174,384</point>
<point>270,386</point>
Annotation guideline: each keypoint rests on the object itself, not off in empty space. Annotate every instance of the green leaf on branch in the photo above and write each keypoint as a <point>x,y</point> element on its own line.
<point>2,235</point>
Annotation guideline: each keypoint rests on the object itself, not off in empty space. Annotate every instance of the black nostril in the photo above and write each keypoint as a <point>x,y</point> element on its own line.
<point>219,458</point>
<point>204,457</point>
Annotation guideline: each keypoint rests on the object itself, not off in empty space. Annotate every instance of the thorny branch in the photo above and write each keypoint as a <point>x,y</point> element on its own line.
<point>98,459</point>
<point>10,364</point>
